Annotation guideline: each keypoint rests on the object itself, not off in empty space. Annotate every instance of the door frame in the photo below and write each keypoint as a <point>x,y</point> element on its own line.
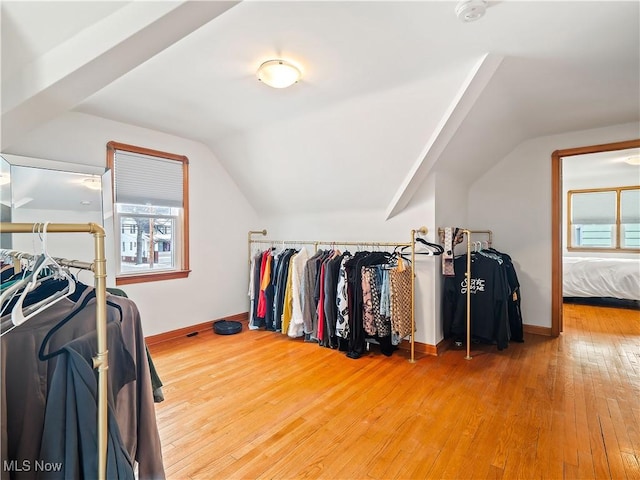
<point>556,220</point>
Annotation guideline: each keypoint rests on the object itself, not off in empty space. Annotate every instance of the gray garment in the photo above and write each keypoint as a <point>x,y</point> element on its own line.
<point>296,325</point>
<point>25,380</point>
<point>70,429</point>
<point>308,291</point>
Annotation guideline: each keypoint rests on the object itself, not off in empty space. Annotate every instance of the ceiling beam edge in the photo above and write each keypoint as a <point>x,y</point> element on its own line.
<point>47,88</point>
<point>473,86</point>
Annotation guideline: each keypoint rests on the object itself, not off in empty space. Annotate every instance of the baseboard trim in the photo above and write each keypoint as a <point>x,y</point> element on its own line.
<point>424,348</point>
<point>536,330</point>
<point>201,327</point>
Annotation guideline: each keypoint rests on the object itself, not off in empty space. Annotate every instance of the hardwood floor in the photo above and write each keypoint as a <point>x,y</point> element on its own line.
<point>260,405</point>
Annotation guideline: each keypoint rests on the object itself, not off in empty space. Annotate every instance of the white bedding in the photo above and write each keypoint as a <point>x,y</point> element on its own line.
<point>601,277</point>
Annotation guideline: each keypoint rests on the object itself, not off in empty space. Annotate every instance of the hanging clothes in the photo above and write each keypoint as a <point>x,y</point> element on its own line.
<point>280,277</point>
<point>296,326</point>
<point>489,292</point>
<point>287,307</point>
<point>254,291</point>
<point>356,344</point>
<point>70,430</point>
<point>265,283</point>
<point>309,304</point>
<point>27,378</point>
<point>332,270</point>
<point>514,298</point>
<point>342,302</point>
<point>400,303</point>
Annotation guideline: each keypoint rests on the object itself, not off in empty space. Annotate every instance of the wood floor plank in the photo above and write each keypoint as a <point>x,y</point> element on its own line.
<point>259,405</point>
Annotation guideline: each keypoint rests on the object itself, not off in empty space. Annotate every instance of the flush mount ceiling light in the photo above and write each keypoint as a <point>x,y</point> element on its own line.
<point>92,183</point>
<point>471,10</point>
<point>278,73</point>
<point>633,160</point>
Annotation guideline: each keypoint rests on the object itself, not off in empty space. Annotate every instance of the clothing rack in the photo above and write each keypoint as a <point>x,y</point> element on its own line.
<point>317,243</point>
<point>468,277</point>
<point>98,267</point>
<point>16,255</point>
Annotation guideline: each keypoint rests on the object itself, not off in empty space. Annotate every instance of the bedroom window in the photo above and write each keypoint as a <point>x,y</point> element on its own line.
<point>150,213</point>
<point>604,219</point>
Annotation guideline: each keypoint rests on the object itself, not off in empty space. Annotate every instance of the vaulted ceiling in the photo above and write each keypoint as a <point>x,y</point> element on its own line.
<point>390,91</point>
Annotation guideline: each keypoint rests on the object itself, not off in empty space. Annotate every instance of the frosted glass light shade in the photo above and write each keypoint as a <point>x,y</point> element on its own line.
<point>92,183</point>
<point>278,73</point>
<point>633,160</point>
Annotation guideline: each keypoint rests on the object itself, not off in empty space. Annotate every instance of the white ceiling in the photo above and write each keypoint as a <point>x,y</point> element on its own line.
<point>603,165</point>
<point>390,90</point>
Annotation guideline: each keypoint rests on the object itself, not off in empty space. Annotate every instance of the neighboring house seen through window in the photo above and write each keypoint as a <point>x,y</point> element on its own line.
<point>150,190</point>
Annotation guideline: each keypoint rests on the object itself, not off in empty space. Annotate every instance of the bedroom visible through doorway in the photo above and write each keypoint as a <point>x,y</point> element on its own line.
<point>594,226</point>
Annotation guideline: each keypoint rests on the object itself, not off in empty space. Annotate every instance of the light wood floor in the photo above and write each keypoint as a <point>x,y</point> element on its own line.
<point>259,405</point>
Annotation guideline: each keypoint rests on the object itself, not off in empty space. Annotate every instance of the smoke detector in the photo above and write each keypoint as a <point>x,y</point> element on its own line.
<point>471,10</point>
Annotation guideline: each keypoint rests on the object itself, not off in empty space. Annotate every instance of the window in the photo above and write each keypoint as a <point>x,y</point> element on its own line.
<point>604,219</point>
<point>151,213</point>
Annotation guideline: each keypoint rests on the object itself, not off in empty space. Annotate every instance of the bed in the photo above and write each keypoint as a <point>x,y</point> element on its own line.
<point>614,278</point>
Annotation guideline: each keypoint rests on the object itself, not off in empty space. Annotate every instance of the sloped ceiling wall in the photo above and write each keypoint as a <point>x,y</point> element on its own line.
<point>381,83</point>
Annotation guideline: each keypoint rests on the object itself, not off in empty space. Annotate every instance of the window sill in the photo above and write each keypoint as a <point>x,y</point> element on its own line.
<point>603,250</point>
<point>151,277</point>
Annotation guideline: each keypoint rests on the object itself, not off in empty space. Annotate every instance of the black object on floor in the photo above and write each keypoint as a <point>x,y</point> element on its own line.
<point>226,327</point>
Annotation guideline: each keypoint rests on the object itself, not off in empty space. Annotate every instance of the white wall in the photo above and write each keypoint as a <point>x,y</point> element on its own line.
<point>220,217</point>
<point>514,200</point>
<point>450,211</point>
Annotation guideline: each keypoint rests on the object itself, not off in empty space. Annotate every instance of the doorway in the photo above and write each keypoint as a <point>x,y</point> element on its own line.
<point>557,230</point>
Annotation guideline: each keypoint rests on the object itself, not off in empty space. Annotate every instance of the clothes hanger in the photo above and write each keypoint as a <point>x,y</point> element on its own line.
<point>432,248</point>
<point>437,249</point>
<point>41,355</point>
<point>17,313</point>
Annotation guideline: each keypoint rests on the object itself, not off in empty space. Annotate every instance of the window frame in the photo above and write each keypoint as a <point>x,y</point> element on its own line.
<point>617,226</point>
<point>183,244</point>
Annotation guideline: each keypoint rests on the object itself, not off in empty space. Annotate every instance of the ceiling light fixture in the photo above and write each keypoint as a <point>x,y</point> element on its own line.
<point>92,183</point>
<point>633,160</point>
<point>471,10</point>
<point>278,73</point>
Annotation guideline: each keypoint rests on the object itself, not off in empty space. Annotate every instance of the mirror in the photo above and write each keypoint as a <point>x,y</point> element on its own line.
<point>5,200</point>
<point>38,190</point>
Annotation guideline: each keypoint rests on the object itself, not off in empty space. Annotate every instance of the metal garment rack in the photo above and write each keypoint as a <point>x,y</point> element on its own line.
<point>468,277</point>
<point>99,269</point>
<point>317,243</point>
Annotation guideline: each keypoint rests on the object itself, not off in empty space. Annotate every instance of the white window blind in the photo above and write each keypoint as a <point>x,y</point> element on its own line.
<point>146,180</point>
<point>630,206</point>
<point>593,208</point>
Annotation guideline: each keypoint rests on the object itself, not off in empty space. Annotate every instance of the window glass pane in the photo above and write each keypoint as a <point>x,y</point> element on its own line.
<point>148,244</point>
<point>630,206</point>
<point>593,236</point>
<point>630,236</point>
